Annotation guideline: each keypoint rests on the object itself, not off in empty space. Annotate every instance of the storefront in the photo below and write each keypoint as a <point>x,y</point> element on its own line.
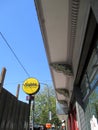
<point>89,89</point>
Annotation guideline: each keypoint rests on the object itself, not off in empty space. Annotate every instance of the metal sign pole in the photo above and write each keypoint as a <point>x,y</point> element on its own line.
<point>31,86</point>
<point>32,115</point>
<point>31,122</point>
<point>29,113</point>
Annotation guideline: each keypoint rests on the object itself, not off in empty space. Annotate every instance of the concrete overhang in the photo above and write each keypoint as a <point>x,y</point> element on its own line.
<point>58,19</point>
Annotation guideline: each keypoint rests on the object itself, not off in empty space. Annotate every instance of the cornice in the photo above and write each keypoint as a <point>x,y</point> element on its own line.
<point>74,18</point>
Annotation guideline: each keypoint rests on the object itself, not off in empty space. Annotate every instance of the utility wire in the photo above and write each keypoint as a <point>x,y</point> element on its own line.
<point>14,54</point>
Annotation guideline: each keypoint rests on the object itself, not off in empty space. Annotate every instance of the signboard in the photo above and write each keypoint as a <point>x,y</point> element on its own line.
<point>31,86</point>
<point>48,125</point>
<point>30,97</point>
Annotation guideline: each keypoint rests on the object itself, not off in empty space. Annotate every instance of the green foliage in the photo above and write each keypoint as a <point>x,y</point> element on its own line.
<point>94,102</point>
<point>45,101</point>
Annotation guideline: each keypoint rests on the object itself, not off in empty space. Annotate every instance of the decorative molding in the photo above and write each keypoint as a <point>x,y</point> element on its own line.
<point>75,8</point>
<point>62,68</point>
<point>64,102</point>
<point>63,91</point>
<point>73,22</point>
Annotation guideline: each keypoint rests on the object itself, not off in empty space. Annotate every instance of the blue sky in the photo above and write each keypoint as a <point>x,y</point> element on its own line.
<point>19,25</point>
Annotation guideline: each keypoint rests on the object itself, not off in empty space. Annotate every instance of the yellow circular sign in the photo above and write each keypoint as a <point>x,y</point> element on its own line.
<point>31,86</point>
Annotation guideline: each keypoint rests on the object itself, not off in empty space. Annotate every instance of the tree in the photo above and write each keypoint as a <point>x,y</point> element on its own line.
<point>94,102</point>
<point>45,101</point>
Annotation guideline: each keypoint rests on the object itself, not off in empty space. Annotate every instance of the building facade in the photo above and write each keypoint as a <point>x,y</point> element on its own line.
<point>70,34</point>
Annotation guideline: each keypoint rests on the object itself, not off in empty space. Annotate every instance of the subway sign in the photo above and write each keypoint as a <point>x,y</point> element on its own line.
<point>31,86</point>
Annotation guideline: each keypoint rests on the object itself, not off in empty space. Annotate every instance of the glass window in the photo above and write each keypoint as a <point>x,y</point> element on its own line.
<point>89,89</point>
<point>90,79</point>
